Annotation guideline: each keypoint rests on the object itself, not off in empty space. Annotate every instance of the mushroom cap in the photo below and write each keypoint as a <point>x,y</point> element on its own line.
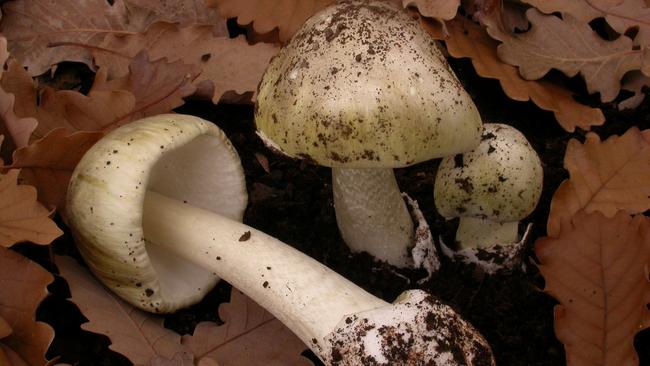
<point>361,85</point>
<point>500,180</point>
<point>417,329</point>
<point>182,157</point>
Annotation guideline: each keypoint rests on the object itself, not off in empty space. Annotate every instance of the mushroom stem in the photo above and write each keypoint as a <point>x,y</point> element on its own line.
<point>372,215</point>
<point>478,232</point>
<point>305,295</point>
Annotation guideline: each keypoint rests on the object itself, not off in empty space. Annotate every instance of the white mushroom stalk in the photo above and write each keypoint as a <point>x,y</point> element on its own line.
<point>363,89</point>
<point>149,245</point>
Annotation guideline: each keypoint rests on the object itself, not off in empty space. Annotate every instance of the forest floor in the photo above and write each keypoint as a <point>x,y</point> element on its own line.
<point>294,203</point>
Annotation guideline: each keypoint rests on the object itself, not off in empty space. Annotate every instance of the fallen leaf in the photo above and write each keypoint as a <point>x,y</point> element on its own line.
<point>263,161</point>
<point>468,39</point>
<point>32,29</point>
<point>438,9</point>
<point>634,81</point>
<point>22,288</point>
<point>620,14</point>
<point>572,47</point>
<point>137,335</point>
<point>287,15</point>
<point>158,87</point>
<point>228,64</point>
<point>18,130</point>
<point>30,26</point>
<point>66,108</point>
<point>597,269</point>
<point>47,163</point>
<point>605,176</point>
<point>22,218</point>
<point>183,12</point>
<point>249,335</point>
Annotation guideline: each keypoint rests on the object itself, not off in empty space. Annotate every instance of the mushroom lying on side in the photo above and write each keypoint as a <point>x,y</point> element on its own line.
<point>363,89</point>
<point>490,189</point>
<point>139,212</point>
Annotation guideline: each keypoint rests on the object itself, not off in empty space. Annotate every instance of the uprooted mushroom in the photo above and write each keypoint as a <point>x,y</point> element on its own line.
<point>363,89</point>
<point>142,210</point>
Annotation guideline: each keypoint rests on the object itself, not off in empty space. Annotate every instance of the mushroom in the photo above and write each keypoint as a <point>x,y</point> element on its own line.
<point>363,89</point>
<point>490,188</point>
<point>143,212</point>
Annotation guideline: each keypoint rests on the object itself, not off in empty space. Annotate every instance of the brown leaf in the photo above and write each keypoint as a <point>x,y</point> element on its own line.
<point>135,334</point>
<point>18,130</point>
<point>183,12</point>
<point>47,164</point>
<point>247,327</point>
<point>158,87</point>
<point>66,108</point>
<point>572,47</point>
<point>621,15</point>
<point>22,218</point>
<point>605,176</point>
<point>634,81</point>
<point>438,9</point>
<point>22,288</point>
<point>31,27</point>
<point>468,39</point>
<point>596,268</point>
<point>228,64</point>
<point>287,16</point>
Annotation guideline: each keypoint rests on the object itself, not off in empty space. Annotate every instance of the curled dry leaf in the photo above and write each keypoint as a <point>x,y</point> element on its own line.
<point>247,327</point>
<point>228,64</point>
<point>572,47</point>
<point>605,176</point>
<point>597,269</point>
<point>621,15</point>
<point>16,129</point>
<point>47,163</point>
<point>31,28</point>
<point>65,108</point>
<point>22,288</point>
<point>139,336</point>
<point>287,15</point>
<point>22,218</point>
<point>468,39</point>
<point>158,87</point>
<point>438,9</point>
<point>634,81</point>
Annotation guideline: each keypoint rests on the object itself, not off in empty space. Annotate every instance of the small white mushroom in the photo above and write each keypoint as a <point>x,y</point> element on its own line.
<point>490,188</point>
<point>363,89</point>
<point>139,210</point>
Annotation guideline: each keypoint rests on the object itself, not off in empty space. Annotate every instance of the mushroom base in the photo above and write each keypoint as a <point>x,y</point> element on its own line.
<point>477,232</point>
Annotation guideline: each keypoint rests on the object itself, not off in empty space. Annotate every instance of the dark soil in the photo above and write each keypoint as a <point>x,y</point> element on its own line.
<point>294,203</point>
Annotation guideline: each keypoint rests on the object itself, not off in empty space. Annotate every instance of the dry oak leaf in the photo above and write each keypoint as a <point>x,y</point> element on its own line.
<point>438,9</point>
<point>158,87</point>
<point>47,163</point>
<point>18,130</point>
<point>249,334</point>
<point>66,108</point>
<point>229,64</point>
<point>605,176</point>
<point>621,15</point>
<point>597,269</point>
<point>137,335</point>
<point>22,288</point>
<point>468,39</point>
<point>634,81</point>
<point>75,27</point>
<point>572,47</point>
<point>22,218</point>
<point>286,15</point>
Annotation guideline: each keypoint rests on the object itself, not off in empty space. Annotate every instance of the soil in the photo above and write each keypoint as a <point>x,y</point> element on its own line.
<point>294,203</point>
